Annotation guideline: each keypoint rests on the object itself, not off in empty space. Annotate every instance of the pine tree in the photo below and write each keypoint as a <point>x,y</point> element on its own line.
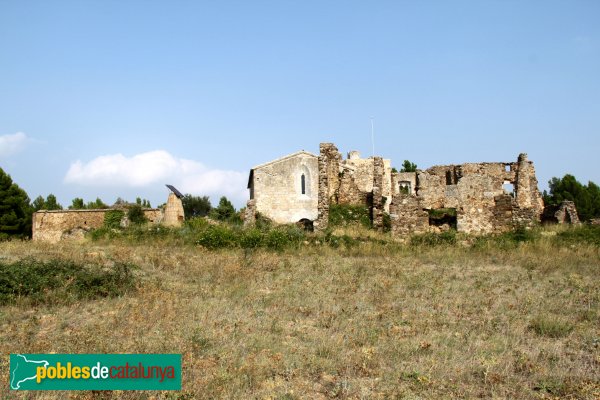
<point>15,210</point>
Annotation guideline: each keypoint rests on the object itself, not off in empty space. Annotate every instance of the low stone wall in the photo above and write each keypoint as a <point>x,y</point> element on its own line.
<point>53,226</point>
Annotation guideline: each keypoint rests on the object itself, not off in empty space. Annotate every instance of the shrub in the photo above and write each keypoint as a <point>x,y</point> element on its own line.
<point>112,219</point>
<point>251,238</point>
<point>551,327</point>
<point>434,239</point>
<point>58,281</point>
<point>344,214</point>
<point>135,214</point>
<point>580,234</point>
<point>216,236</point>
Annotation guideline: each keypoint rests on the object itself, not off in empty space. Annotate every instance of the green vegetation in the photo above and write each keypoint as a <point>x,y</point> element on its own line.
<point>135,214</point>
<point>225,211</point>
<point>344,214</point>
<point>112,219</point>
<point>347,313</point>
<point>61,282</point>
<point>407,166</point>
<point>50,203</point>
<point>15,211</point>
<point>196,206</point>
<point>78,204</point>
<point>586,197</point>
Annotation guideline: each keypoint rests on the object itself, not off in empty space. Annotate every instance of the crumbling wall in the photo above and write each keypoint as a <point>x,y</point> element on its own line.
<point>333,159</point>
<point>378,201</point>
<point>250,213</point>
<point>52,226</point>
<point>567,213</point>
<point>408,216</point>
<point>323,195</point>
<point>174,214</point>
<point>348,191</point>
<point>476,192</point>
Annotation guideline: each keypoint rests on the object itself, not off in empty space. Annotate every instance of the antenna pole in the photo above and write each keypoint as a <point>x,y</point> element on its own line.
<point>372,137</point>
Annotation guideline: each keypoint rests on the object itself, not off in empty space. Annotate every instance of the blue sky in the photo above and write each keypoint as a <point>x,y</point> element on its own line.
<point>117,98</point>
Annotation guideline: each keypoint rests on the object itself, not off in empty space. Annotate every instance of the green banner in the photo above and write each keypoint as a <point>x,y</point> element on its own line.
<point>95,371</point>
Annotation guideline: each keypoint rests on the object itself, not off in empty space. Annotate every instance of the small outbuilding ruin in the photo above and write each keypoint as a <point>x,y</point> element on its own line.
<point>53,226</point>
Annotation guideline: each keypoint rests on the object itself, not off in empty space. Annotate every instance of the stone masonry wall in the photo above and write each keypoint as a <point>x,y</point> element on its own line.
<point>52,226</point>
<point>174,214</point>
<point>476,191</point>
<point>378,203</point>
<point>277,188</point>
<point>567,213</point>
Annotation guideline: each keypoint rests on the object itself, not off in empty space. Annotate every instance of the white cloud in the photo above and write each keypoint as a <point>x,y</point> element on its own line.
<point>157,168</point>
<point>12,144</point>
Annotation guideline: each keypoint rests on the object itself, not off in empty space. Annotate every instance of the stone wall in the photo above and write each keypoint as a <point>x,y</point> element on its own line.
<point>476,191</point>
<point>174,214</point>
<point>277,188</point>
<point>567,213</point>
<point>378,200</point>
<point>472,196</point>
<point>408,216</point>
<point>52,226</point>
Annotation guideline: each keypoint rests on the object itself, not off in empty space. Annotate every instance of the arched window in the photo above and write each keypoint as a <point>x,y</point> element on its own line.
<point>303,183</point>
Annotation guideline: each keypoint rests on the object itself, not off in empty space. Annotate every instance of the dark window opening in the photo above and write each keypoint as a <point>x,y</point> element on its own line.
<point>306,224</point>
<point>448,178</point>
<point>443,216</point>
<point>303,182</point>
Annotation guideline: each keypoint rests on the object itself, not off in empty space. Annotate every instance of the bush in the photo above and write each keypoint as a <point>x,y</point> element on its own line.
<point>434,239</point>
<point>344,214</point>
<point>251,238</point>
<point>112,219</point>
<point>550,327</point>
<point>216,236</point>
<point>580,234</point>
<point>135,214</point>
<point>58,281</point>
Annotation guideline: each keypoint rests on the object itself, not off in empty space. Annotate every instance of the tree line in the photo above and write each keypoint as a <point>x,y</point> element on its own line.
<point>16,208</point>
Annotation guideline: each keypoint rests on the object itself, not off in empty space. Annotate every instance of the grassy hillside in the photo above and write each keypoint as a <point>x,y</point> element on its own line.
<point>444,317</point>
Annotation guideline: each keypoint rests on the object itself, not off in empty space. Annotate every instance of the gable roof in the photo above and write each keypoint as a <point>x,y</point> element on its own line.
<point>298,153</point>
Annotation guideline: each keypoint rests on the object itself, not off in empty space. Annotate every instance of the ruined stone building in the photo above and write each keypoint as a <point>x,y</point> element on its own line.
<point>471,197</point>
<point>53,226</point>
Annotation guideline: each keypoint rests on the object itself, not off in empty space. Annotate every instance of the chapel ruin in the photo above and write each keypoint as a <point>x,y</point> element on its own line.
<point>478,198</point>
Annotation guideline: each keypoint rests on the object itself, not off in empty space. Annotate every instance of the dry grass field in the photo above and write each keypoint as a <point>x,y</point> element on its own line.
<point>376,320</point>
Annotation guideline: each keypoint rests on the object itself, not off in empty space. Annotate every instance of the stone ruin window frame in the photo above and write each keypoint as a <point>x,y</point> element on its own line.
<point>303,184</point>
<point>405,187</point>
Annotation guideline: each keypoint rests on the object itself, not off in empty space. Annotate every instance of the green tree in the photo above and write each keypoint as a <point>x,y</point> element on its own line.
<point>52,203</point>
<point>77,204</point>
<point>96,205</point>
<point>39,203</point>
<point>135,214</point>
<point>196,206</point>
<point>49,204</point>
<point>224,211</point>
<point>15,210</point>
<point>407,166</point>
<point>585,197</point>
